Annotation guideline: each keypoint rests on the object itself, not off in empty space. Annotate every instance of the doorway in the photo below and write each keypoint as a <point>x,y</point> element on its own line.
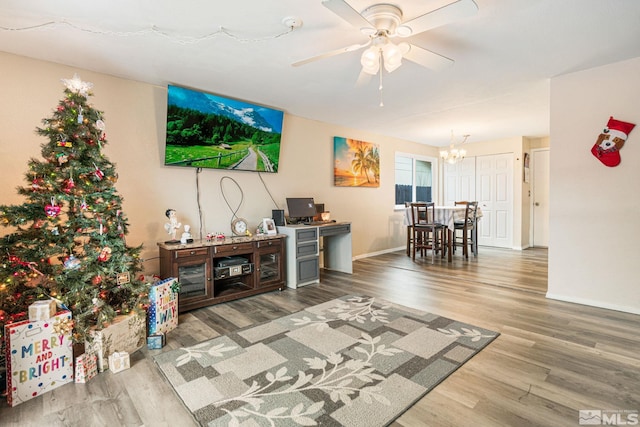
<point>540,198</point>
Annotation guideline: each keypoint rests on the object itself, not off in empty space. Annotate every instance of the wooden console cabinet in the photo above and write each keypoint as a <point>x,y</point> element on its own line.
<point>223,270</point>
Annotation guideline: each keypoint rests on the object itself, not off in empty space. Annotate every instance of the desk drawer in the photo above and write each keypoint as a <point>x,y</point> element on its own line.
<point>307,234</point>
<point>306,249</point>
<point>231,249</point>
<point>330,230</point>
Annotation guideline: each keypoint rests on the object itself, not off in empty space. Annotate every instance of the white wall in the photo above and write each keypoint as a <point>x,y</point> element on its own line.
<point>594,255</point>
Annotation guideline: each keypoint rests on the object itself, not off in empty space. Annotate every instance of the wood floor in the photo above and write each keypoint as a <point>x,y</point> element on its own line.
<point>551,360</point>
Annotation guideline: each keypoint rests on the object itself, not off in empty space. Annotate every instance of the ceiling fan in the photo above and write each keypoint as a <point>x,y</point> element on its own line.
<point>382,22</point>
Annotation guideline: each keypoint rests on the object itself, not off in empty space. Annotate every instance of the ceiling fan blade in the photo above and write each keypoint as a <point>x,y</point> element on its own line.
<point>427,59</point>
<point>331,53</point>
<point>346,12</point>
<point>457,10</point>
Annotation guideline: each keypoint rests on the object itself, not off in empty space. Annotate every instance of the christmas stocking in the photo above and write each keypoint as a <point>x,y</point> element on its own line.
<point>610,141</point>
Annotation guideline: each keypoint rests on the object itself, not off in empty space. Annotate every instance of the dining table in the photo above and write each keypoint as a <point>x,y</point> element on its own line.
<point>447,215</point>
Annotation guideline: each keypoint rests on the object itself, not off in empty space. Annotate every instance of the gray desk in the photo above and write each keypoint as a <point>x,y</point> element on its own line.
<point>310,247</point>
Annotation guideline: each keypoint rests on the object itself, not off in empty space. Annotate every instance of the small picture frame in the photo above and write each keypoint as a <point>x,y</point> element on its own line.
<point>269,226</point>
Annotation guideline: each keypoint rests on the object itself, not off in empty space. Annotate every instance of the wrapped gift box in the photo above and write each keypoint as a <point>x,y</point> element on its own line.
<point>119,361</point>
<point>39,357</point>
<point>42,310</point>
<point>156,341</point>
<point>86,367</point>
<point>125,334</point>
<point>163,306</point>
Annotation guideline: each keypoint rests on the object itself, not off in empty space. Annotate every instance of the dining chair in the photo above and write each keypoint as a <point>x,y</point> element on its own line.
<point>465,231</point>
<point>427,234</point>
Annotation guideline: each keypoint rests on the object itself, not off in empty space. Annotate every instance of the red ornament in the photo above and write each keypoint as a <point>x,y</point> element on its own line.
<point>96,280</point>
<point>36,184</point>
<point>52,210</point>
<point>69,185</point>
<point>105,254</point>
<point>98,173</point>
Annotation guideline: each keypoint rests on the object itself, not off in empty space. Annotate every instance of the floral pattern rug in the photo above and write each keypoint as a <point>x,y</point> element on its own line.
<point>353,361</point>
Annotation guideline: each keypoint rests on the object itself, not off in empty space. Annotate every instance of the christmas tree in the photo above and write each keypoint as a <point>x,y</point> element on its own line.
<point>67,241</point>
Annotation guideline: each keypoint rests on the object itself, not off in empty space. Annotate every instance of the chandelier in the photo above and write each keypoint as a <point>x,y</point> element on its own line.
<point>454,155</point>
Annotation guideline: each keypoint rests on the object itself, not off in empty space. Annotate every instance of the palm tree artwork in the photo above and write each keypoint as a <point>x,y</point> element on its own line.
<point>356,163</point>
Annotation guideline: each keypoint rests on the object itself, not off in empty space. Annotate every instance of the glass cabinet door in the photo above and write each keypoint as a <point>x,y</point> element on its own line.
<point>194,278</point>
<point>270,262</point>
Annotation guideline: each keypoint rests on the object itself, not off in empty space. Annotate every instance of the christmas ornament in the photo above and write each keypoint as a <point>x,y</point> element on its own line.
<point>610,141</point>
<point>78,86</point>
<point>62,158</point>
<point>105,254</point>
<point>96,280</point>
<point>69,185</point>
<point>80,117</point>
<point>98,173</point>
<point>72,263</point>
<point>52,210</point>
<point>123,278</point>
<point>62,140</point>
<point>36,184</point>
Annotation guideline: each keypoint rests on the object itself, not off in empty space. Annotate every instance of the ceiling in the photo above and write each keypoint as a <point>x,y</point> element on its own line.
<point>498,87</point>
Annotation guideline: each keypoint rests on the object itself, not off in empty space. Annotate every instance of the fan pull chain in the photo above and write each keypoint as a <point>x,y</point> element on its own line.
<point>380,87</point>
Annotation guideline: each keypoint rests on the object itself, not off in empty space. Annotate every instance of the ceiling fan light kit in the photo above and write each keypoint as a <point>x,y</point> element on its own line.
<point>383,21</point>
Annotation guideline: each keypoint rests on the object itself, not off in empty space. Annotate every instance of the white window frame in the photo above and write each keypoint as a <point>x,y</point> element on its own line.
<point>434,174</point>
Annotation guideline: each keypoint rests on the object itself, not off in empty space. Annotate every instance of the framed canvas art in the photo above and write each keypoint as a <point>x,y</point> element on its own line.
<point>355,163</point>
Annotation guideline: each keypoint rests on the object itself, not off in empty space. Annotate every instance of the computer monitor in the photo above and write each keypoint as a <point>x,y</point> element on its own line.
<point>301,208</point>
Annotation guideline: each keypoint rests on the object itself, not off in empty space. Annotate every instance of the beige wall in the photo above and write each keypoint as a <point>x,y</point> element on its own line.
<point>594,227</point>
<point>134,117</point>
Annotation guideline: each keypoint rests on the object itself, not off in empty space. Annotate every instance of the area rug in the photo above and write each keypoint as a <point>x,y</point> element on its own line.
<point>353,361</point>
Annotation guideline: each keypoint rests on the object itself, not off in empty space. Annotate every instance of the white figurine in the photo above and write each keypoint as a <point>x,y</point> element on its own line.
<point>186,236</point>
<point>173,223</point>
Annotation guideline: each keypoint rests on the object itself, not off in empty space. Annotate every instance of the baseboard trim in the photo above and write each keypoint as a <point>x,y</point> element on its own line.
<point>385,251</point>
<point>592,303</point>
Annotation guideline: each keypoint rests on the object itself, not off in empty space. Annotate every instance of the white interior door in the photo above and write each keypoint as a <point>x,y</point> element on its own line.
<point>460,181</point>
<point>540,193</point>
<point>494,190</point>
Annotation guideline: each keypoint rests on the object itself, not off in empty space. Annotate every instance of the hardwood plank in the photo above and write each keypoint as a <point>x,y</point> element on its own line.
<point>552,358</point>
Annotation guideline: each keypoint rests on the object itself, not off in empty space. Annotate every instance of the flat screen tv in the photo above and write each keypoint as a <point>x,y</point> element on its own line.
<point>210,131</point>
